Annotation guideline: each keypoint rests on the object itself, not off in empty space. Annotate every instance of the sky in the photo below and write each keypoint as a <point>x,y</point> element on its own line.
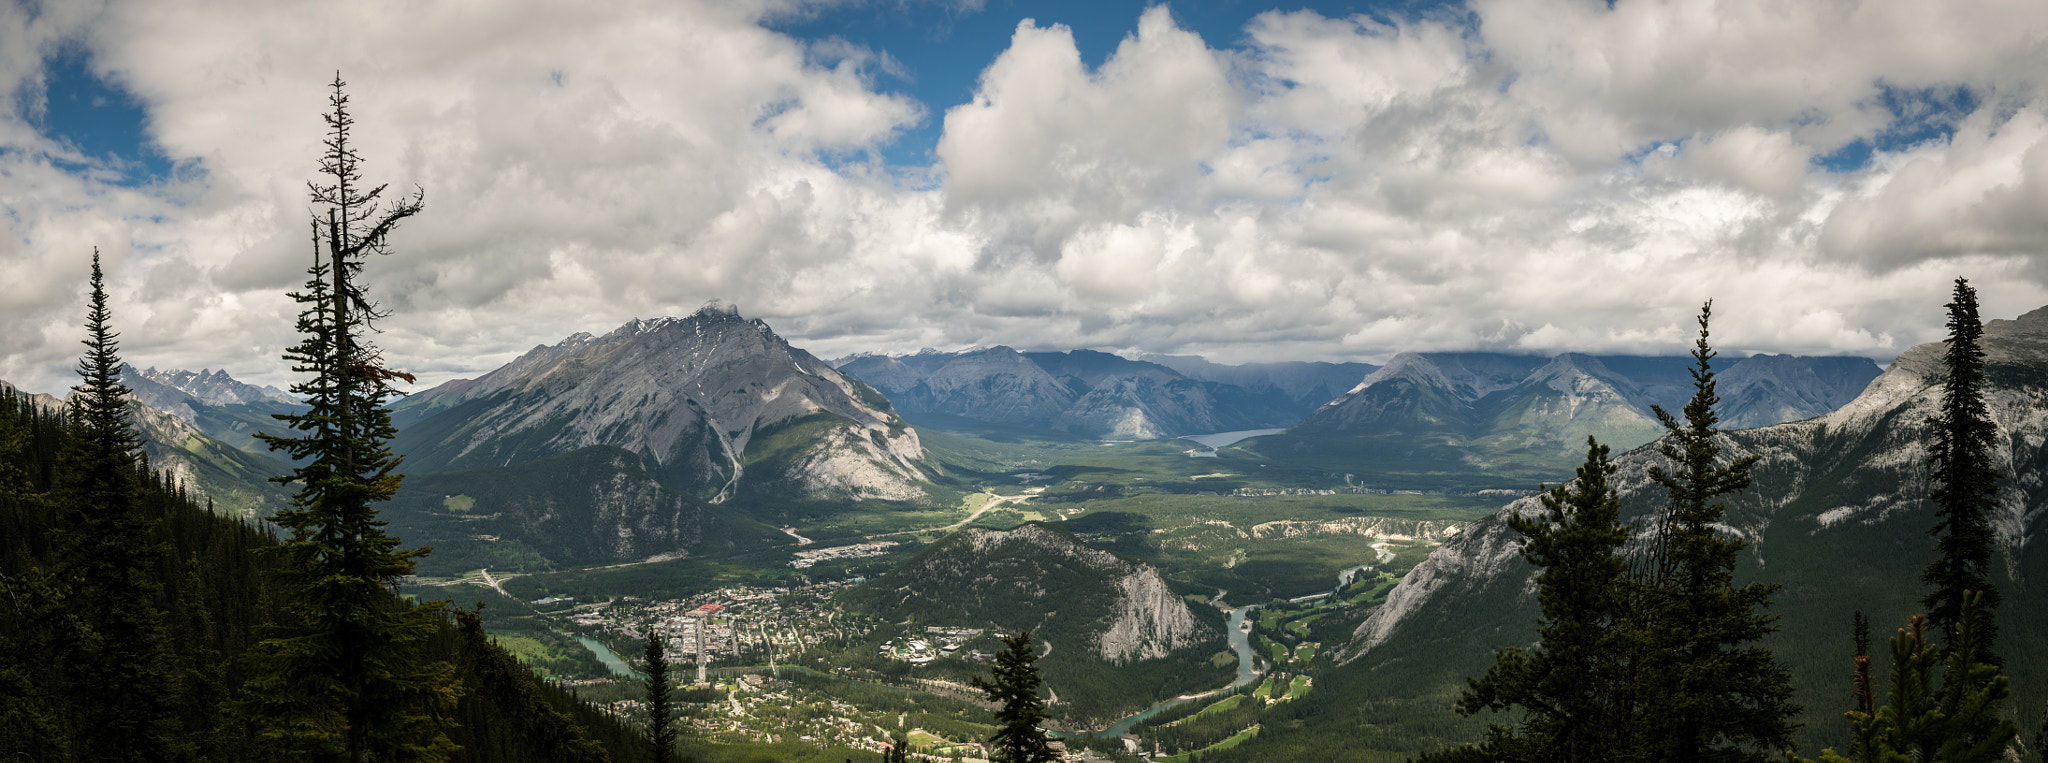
<point>1244,181</point>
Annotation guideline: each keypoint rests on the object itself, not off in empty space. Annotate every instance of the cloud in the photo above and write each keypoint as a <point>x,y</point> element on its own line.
<point>1985,190</point>
<point>1524,176</point>
<point>1056,147</point>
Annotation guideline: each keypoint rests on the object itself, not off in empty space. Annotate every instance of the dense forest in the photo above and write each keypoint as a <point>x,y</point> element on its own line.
<point>200,622</point>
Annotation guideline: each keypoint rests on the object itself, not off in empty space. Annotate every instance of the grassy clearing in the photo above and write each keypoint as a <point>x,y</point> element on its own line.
<point>1233,741</point>
<point>1299,688</point>
<point>1216,708</point>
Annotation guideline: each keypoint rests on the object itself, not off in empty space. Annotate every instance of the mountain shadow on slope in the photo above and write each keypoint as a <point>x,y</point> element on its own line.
<point>586,507</point>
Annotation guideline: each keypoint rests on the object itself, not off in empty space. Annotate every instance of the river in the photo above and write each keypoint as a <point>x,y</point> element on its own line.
<point>612,661</point>
<point>1239,636</point>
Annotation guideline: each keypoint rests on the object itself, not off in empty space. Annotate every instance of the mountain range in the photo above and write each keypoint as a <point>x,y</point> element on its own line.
<point>1424,417</point>
<point>214,472</point>
<point>1103,395</point>
<point>213,402</point>
<point>1837,515</point>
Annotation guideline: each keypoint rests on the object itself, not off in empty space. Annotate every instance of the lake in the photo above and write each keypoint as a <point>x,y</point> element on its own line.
<point>1225,439</point>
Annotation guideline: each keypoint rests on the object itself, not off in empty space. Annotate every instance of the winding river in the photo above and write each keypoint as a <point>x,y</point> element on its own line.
<point>1239,633</point>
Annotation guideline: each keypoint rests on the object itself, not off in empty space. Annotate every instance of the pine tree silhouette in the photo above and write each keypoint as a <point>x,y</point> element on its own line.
<point>336,680</point>
<point>1964,480</point>
<point>105,562</point>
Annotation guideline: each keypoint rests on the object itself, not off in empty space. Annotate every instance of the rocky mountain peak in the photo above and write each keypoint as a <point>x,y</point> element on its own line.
<point>693,396</point>
<point>1412,367</point>
<point>183,393</point>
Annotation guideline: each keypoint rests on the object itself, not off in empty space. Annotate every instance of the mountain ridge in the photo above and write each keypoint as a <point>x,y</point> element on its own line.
<point>1084,392</point>
<point>713,403</point>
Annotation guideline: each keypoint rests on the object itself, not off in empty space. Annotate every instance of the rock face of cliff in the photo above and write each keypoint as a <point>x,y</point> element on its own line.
<point>1041,578</point>
<point>715,406</point>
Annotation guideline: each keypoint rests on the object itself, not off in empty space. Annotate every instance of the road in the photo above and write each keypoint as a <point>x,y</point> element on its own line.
<point>496,583</point>
<point>482,576</point>
<point>993,504</point>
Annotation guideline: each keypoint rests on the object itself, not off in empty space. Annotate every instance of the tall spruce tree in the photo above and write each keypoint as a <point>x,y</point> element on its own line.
<point>1964,480</point>
<point>339,679</point>
<point>1013,686</point>
<point>1861,691</point>
<point>661,730</point>
<point>106,563</point>
<point>1707,690</point>
<point>1569,686</point>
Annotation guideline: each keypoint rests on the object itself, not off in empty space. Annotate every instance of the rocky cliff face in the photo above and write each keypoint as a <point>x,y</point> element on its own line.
<point>1042,578</point>
<point>1151,621</point>
<point>713,403</point>
<point>236,481</point>
<point>214,403</point>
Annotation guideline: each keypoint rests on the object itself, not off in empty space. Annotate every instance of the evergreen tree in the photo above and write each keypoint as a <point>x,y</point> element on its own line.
<point>661,731</point>
<point>1013,686</point>
<point>898,751</point>
<point>1707,691</point>
<point>1862,692</point>
<point>34,626</point>
<point>340,678</point>
<point>1960,721</point>
<point>106,563</point>
<point>1963,478</point>
<point>1568,686</point>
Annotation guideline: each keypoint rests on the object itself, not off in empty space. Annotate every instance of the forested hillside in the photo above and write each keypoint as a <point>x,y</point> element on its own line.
<point>214,598</point>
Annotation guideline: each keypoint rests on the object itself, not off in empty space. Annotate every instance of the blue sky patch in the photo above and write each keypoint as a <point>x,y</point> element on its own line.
<point>1919,115</point>
<point>99,120</point>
